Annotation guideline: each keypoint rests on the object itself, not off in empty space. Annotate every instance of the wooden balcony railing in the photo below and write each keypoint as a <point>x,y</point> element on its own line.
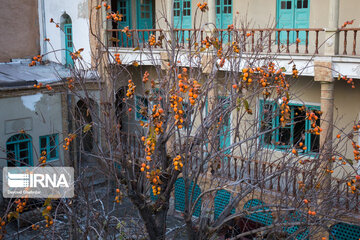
<point>288,41</point>
<point>348,38</point>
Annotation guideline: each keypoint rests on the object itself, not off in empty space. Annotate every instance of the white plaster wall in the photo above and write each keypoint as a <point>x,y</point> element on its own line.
<point>79,12</point>
<point>46,116</point>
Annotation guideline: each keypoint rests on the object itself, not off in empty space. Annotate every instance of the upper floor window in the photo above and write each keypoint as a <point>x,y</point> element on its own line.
<point>49,145</point>
<point>68,34</point>
<point>141,104</point>
<point>19,150</point>
<point>298,132</point>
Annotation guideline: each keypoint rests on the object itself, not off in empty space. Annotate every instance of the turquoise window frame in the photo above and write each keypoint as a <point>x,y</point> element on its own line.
<point>138,115</point>
<point>16,140</point>
<point>276,123</point>
<point>68,44</point>
<point>49,148</point>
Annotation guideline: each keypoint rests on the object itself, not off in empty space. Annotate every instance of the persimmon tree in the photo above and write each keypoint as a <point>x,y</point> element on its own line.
<point>205,116</point>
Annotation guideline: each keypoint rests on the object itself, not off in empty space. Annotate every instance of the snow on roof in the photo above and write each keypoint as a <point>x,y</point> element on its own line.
<point>16,74</point>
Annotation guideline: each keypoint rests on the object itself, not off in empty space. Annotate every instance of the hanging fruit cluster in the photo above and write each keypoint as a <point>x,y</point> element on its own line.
<point>354,184</point>
<point>177,163</point>
<point>235,46</point>
<point>70,82</point>
<point>116,17</point>
<point>131,89</point>
<point>146,77</point>
<point>157,118</point>
<point>38,85</point>
<point>348,80</point>
<point>295,72</point>
<point>42,159</point>
<point>118,196</point>
<point>48,87</point>
<point>35,59</point>
<point>152,40</point>
<point>117,58</point>
<point>176,105</point>
<point>20,205</point>
<point>203,7</point>
<point>68,140</point>
<point>194,91</point>
<point>154,177</point>
<point>126,30</point>
<point>312,117</point>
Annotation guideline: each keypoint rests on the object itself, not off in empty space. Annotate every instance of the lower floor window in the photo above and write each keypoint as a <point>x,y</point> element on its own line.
<point>19,150</point>
<point>49,146</point>
<point>298,132</point>
<point>141,104</point>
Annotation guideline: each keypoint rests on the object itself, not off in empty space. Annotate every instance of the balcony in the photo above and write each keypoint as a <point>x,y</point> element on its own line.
<point>309,41</point>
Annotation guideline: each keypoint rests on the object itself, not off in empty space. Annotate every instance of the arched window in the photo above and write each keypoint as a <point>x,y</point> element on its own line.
<point>19,150</point>
<point>67,26</point>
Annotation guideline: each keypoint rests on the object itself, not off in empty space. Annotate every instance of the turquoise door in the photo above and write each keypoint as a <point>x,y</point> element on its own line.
<point>301,18</point>
<point>224,17</point>
<point>293,14</point>
<point>68,44</point>
<point>182,18</point>
<point>144,18</point>
<point>124,8</point>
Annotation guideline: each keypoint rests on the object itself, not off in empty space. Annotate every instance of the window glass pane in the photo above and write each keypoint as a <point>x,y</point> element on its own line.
<point>229,9</point>
<point>288,6</point>
<point>298,4</point>
<point>10,154</point>
<point>283,5</point>
<point>53,153</point>
<point>23,145</point>
<point>299,125</point>
<point>217,2</point>
<point>266,122</point>
<point>305,4</point>
<point>52,140</point>
<point>225,9</point>
<point>229,2</point>
<point>43,142</point>
<point>141,108</point>
<point>284,136</point>
<point>315,139</point>
<point>24,154</point>
<point>218,10</point>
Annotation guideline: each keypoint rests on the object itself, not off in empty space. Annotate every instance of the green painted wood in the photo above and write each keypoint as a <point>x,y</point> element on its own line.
<point>261,213</point>
<point>182,19</point>
<point>19,148</point>
<point>293,14</point>
<point>221,201</point>
<point>224,17</point>
<point>344,231</point>
<point>180,196</point>
<point>124,8</point>
<point>68,44</point>
<point>303,233</point>
<point>144,16</point>
<point>273,142</point>
<point>50,144</point>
